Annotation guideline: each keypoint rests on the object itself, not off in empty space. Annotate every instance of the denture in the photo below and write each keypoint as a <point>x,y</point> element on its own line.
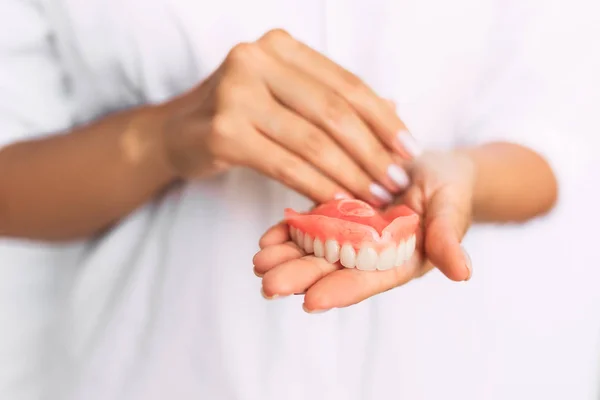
<point>355,234</point>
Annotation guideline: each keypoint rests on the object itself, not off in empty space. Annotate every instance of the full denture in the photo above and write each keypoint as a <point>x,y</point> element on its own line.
<point>355,234</point>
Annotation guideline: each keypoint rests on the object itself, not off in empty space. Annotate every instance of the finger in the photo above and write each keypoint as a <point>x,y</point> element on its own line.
<point>445,226</point>
<point>372,108</point>
<point>272,256</point>
<point>296,276</point>
<point>329,111</point>
<point>319,149</point>
<point>351,286</point>
<point>285,167</point>
<point>414,199</point>
<point>276,234</point>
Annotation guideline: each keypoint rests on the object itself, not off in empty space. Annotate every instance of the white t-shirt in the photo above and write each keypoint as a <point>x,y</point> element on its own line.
<point>165,305</point>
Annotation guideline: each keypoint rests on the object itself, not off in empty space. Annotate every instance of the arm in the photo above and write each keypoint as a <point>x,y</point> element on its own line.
<point>77,183</point>
<point>56,188</point>
<point>512,183</point>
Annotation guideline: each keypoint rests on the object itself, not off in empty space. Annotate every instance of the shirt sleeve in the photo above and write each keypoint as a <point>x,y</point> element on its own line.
<point>540,87</point>
<point>33,95</point>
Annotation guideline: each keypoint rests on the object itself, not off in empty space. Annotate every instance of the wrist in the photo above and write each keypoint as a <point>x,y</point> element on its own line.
<point>467,163</point>
<point>144,143</point>
<point>184,147</point>
<point>467,159</point>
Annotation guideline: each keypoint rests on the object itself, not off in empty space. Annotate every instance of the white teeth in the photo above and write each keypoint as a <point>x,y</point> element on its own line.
<point>300,239</point>
<point>318,248</point>
<point>400,254</point>
<point>332,251</point>
<point>410,246</point>
<point>386,258</point>
<point>366,259</point>
<point>348,256</point>
<point>308,243</point>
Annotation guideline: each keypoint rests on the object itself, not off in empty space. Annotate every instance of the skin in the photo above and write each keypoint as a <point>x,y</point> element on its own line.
<point>498,182</point>
<point>327,134</point>
<point>275,96</point>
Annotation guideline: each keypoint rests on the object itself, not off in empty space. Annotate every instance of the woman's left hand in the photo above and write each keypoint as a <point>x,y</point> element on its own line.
<point>441,193</point>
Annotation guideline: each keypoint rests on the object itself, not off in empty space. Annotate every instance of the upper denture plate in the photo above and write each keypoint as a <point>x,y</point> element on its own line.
<point>386,258</point>
<point>308,244</point>
<point>348,256</point>
<point>300,239</point>
<point>366,259</point>
<point>318,248</point>
<point>401,254</point>
<point>332,251</point>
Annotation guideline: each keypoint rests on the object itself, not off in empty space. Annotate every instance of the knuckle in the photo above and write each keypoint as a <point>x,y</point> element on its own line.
<point>221,131</point>
<point>243,54</point>
<point>275,37</point>
<point>335,110</point>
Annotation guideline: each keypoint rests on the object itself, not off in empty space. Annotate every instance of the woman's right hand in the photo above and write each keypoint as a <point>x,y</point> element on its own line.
<point>283,109</point>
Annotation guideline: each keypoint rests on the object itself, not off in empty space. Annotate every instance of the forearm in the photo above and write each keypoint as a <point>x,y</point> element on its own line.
<point>77,184</point>
<point>512,183</point>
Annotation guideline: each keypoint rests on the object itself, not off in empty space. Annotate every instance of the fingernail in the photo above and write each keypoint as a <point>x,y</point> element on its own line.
<point>256,273</point>
<point>313,311</point>
<point>408,142</point>
<point>468,263</point>
<point>398,175</point>
<point>262,292</point>
<point>342,196</point>
<point>382,194</point>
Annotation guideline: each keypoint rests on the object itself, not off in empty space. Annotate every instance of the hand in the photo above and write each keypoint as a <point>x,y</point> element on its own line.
<point>441,193</point>
<point>285,110</point>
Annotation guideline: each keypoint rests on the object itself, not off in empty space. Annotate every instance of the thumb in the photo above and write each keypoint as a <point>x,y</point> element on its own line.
<point>446,222</point>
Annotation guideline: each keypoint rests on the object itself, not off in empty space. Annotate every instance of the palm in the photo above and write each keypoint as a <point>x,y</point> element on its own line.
<point>440,194</point>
